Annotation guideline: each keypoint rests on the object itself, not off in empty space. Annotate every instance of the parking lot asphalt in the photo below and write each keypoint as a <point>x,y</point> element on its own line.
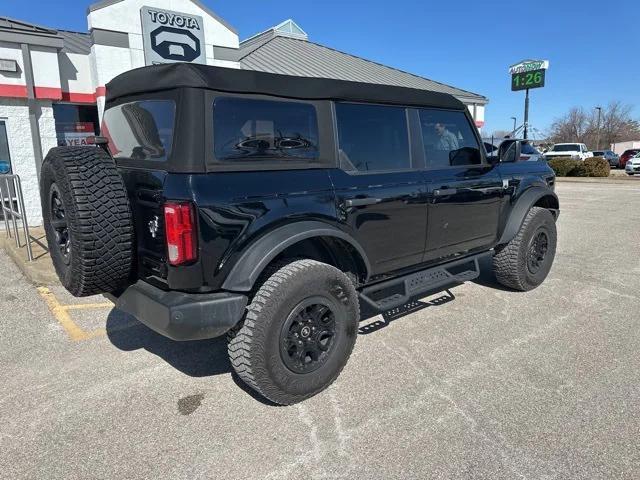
<point>475,383</point>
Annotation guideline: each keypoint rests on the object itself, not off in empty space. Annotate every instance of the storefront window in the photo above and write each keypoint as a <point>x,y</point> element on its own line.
<point>5,158</point>
<point>74,123</point>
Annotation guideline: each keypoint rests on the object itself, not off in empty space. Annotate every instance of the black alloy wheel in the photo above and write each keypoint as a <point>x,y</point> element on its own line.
<point>306,338</point>
<point>59,224</point>
<point>537,251</point>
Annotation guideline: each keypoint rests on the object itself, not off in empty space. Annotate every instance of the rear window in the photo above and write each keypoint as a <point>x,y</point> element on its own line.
<point>251,129</point>
<point>571,147</point>
<point>140,130</point>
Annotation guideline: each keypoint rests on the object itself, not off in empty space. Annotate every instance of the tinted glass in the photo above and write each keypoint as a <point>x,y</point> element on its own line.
<point>528,149</point>
<point>490,147</point>
<point>251,129</point>
<point>598,154</point>
<point>448,139</point>
<point>140,130</point>
<point>75,123</point>
<point>572,147</point>
<point>372,137</point>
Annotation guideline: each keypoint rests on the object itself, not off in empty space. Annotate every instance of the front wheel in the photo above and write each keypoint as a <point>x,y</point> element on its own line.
<point>524,262</point>
<point>298,333</point>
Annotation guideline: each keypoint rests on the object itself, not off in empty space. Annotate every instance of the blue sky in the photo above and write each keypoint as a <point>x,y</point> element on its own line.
<point>593,46</point>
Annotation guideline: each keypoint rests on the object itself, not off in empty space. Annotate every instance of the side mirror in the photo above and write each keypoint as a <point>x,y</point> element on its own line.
<point>5,167</point>
<point>510,151</point>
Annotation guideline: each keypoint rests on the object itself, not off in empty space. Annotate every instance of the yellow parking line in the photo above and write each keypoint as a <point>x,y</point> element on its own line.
<point>88,306</point>
<point>61,314</point>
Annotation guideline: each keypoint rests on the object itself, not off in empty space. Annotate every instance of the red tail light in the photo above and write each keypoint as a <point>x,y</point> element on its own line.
<point>180,229</point>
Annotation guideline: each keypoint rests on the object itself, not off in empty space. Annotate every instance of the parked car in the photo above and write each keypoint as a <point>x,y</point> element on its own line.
<point>633,165</point>
<point>609,156</point>
<point>268,207</point>
<point>626,156</point>
<point>576,151</point>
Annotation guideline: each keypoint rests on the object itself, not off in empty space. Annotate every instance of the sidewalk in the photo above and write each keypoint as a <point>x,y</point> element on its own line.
<point>40,271</point>
<point>614,179</point>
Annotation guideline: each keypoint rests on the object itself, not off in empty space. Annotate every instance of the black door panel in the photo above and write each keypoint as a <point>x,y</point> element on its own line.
<point>464,209</point>
<point>386,214</point>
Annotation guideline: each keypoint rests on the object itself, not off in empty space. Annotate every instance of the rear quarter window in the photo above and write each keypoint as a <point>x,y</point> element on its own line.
<point>247,130</point>
<point>141,130</point>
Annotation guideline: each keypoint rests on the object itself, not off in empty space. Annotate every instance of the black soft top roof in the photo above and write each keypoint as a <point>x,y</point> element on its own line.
<point>175,75</point>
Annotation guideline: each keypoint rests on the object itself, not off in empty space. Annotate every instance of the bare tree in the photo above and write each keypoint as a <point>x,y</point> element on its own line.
<point>578,125</point>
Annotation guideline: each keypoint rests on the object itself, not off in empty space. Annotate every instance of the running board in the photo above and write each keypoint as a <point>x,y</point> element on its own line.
<point>401,290</point>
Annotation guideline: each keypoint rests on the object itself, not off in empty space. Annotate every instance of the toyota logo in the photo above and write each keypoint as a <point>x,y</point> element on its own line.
<point>175,44</point>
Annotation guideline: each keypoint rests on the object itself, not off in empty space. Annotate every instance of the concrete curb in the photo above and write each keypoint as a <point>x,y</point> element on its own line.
<point>40,271</point>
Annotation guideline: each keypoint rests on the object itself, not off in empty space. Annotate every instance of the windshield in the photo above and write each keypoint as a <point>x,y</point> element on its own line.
<point>598,154</point>
<point>569,147</point>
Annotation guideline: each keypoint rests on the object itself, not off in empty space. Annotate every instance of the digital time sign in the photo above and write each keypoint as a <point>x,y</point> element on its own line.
<point>526,80</point>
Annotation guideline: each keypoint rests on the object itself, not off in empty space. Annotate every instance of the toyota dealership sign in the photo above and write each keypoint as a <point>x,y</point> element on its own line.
<point>172,37</point>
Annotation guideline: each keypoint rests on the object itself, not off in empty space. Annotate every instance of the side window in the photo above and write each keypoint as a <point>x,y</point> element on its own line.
<point>372,137</point>
<point>448,139</point>
<point>261,130</point>
<point>140,130</point>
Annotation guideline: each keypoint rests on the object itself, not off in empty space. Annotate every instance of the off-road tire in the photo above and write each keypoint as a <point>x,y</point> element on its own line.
<point>510,262</point>
<point>255,350</point>
<point>98,217</point>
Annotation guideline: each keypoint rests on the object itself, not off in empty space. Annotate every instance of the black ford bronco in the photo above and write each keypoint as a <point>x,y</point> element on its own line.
<point>270,208</point>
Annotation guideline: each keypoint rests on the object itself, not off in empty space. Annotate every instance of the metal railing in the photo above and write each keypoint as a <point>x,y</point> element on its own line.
<point>12,203</point>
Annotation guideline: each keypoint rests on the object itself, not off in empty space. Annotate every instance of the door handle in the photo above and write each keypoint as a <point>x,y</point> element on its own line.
<point>360,202</point>
<point>443,192</point>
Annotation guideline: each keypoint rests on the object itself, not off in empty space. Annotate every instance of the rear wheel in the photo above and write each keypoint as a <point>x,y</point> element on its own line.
<point>298,333</point>
<point>87,220</point>
<point>524,262</point>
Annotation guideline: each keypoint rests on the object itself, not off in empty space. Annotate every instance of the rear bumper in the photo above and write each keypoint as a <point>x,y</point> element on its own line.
<point>182,316</point>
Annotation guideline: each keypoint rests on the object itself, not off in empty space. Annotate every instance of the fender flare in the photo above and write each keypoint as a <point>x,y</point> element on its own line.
<point>259,254</point>
<point>521,208</point>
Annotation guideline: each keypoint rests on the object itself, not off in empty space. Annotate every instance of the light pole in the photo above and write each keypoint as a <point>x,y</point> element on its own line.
<point>514,124</point>
<point>598,134</point>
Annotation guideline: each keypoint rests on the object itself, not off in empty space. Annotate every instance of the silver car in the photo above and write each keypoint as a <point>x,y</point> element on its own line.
<point>633,165</point>
<point>609,156</point>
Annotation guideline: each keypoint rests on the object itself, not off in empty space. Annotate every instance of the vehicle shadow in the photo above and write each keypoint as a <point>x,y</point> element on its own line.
<point>200,358</point>
<point>206,358</point>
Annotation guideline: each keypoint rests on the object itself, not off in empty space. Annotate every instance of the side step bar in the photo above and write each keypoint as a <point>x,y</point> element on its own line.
<point>399,291</point>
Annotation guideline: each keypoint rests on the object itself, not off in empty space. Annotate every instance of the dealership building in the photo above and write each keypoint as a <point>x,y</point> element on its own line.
<point>52,82</point>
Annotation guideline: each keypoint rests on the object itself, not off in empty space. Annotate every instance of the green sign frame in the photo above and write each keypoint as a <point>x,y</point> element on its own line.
<point>526,80</point>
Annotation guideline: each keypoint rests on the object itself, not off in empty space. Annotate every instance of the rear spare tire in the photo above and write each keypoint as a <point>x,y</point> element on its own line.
<point>87,220</point>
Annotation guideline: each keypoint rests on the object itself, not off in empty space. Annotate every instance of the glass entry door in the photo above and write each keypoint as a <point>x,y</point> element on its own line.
<point>5,157</point>
<point>6,188</point>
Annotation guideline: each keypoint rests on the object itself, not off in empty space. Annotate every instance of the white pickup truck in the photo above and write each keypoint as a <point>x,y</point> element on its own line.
<point>576,151</point>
